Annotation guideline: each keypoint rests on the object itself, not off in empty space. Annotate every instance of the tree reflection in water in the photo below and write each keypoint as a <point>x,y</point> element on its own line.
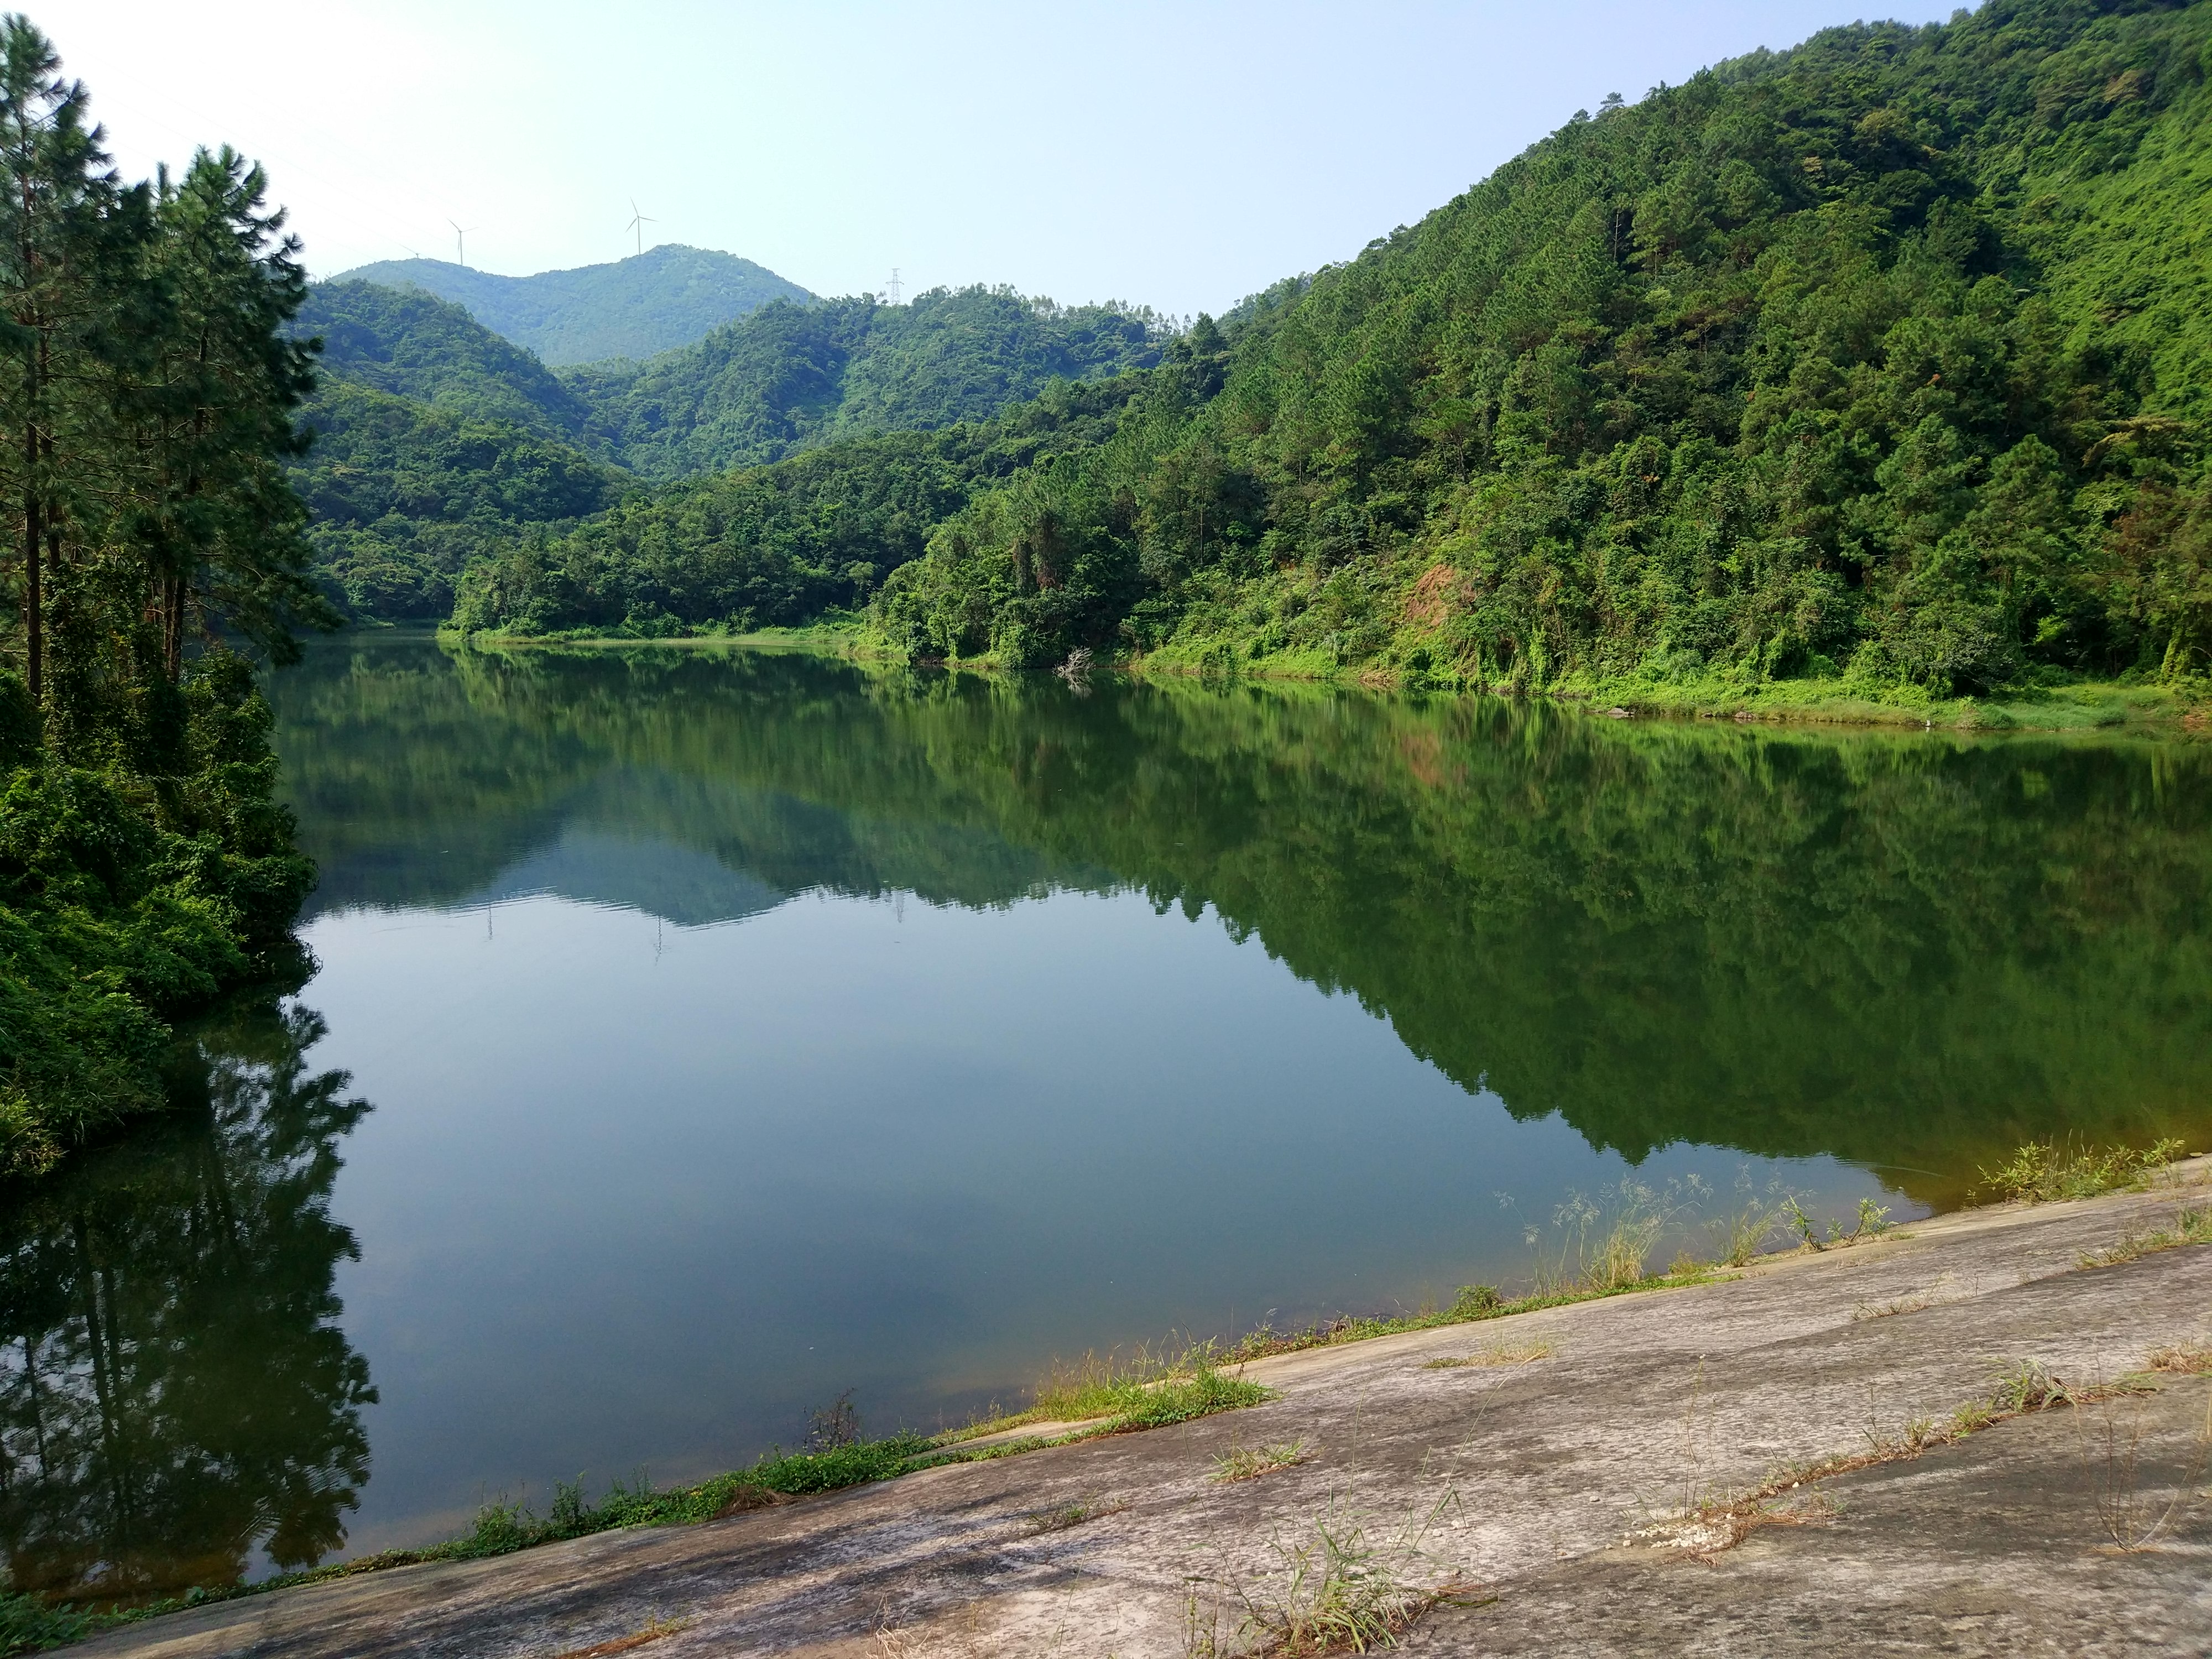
<point>175,1392</point>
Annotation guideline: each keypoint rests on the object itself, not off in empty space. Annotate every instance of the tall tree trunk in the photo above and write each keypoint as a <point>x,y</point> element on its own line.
<point>173,628</point>
<point>35,623</point>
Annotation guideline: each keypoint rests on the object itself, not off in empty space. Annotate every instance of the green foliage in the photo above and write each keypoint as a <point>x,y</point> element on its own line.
<point>117,911</point>
<point>1147,1392</point>
<point>788,376</point>
<point>149,390</point>
<point>404,494</point>
<point>666,297</point>
<point>776,545</point>
<point>1802,368</point>
<point>2046,1172</point>
<point>28,1625</point>
<point>503,1527</point>
<point>412,344</point>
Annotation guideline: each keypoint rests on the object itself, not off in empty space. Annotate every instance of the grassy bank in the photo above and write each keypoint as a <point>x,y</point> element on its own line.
<point>2054,702</point>
<point>834,636</point>
<point>2179,708</point>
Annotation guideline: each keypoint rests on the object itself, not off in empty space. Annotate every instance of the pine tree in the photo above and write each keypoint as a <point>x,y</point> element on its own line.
<point>63,221</point>
<point>213,517</point>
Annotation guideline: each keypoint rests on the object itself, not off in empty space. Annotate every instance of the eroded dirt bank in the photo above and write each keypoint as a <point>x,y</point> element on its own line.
<point>1530,1485</point>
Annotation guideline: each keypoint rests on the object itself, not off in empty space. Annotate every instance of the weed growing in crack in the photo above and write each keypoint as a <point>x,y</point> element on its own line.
<point>1498,1353</point>
<point>651,1631</point>
<point>2185,1359</point>
<point>2135,1512</point>
<point>1250,1463</point>
<point>2191,1226</point>
<point>1903,1304</point>
<point>1720,1524</point>
<point>1068,1515</point>
<point>1337,1589</point>
<point>1707,1524</point>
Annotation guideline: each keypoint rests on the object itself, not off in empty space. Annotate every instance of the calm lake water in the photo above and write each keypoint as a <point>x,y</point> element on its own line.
<point>699,1035</point>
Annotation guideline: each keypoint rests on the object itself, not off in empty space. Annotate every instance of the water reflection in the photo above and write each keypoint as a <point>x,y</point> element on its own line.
<point>177,1401</point>
<point>634,1201</point>
<point>1904,951</point>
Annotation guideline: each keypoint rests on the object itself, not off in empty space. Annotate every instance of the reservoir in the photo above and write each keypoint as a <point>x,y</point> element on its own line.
<point>697,1035</point>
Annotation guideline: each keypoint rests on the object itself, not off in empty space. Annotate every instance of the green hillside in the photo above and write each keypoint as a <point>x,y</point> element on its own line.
<point>405,494</point>
<point>788,376</point>
<point>776,545</point>
<point>1881,359</point>
<point>415,346</point>
<point>439,440</point>
<point>666,297</point>
<point>1881,363</point>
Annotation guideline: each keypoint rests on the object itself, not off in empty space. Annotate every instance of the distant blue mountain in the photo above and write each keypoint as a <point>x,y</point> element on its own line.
<point>666,297</point>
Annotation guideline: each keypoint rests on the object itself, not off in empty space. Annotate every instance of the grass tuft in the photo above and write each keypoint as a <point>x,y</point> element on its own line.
<point>2188,1227</point>
<point>1065,1515</point>
<point>1250,1463</point>
<point>1903,1304</point>
<point>1499,1353</point>
<point>1340,1589</point>
<point>2048,1172</point>
<point>2185,1360</point>
<point>1148,1391</point>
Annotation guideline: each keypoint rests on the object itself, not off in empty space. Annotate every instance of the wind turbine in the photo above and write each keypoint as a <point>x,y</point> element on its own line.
<point>461,240</point>
<point>638,221</point>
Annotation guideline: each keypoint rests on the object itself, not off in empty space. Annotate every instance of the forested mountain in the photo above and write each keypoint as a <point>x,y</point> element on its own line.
<point>1883,357</point>
<point>779,544</point>
<point>790,376</point>
<point>438,440</point>
<point>654,301</point>
<point>412,345</point>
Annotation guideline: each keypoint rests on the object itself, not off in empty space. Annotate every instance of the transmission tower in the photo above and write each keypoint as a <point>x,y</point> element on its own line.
<point>892,288</point>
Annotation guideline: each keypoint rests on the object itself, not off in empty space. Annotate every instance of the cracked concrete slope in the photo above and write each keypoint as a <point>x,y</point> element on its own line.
<point>1523,1480</point>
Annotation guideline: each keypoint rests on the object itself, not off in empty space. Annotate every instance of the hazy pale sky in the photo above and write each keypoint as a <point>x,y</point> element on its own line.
<point>1182,155</point>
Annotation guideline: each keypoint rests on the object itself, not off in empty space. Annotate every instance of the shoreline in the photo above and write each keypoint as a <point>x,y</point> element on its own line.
<point>2101,708</point>
<point>1257,1373</point>
<point>1814,1402</point>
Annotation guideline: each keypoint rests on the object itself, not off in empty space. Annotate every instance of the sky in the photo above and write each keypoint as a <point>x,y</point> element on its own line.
<point>1178,156</point>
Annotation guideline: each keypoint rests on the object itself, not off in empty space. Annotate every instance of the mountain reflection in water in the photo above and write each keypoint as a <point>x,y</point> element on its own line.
<point>982,1098</point>
<point>1900,949</point>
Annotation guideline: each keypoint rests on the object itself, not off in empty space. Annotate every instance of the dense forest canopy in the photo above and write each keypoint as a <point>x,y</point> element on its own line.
<point>1880,360</point>
<point>1832,360</point>
<point>415,345</point>
<point>779,544</point>
<point>789,376</point>
<point>148,394</point>
<point>495,451</point>
<point>404,494</point>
